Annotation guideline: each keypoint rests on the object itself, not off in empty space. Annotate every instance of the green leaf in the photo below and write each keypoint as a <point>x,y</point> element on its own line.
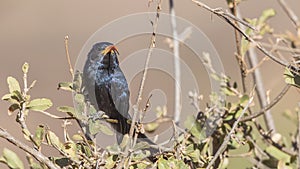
<point>194,127</point>
<point>17,96</point>
<point>39,135</point>
<point>25,67</point>
<point>65,86</point>
<point>141,145</point>
<point>291,78</point>
<point>71,149</point>
<point>162,163</point>
<point>150,127</point>
<point>268,13</point>
<point>96,126</point>
<point>244,100</point>
<point>67,109</point>
<point>12,159</point>
<point>77,137</point>
<point>32,84</point>
<point>124,141</point>
<point>111,161</point>
<point>39,104</point>
<point>13,107</point>
<point>13,84</point>
<point>279,155</point>
<point>32,163</point>
<point>77,81</point>
<point>53,140</point>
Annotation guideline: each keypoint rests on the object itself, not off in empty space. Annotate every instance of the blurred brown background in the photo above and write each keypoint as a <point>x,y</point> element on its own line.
<point>34,31</point>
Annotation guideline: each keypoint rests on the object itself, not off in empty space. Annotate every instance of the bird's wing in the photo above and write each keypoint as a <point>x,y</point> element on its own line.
<point>120,93</point>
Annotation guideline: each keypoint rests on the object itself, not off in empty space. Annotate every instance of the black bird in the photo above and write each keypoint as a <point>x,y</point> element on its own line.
<point>106,88</point>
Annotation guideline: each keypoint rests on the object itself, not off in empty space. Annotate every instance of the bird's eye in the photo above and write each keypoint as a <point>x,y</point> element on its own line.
<point>102,48</point>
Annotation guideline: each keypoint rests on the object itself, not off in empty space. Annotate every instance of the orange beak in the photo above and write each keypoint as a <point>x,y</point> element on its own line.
<point>109,49</point>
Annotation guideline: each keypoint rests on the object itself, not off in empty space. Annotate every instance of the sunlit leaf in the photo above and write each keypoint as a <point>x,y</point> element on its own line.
<point>279,155</point>
<point>162,164</point>
<point>96,126</point>
<point>266,14</point>
<point>53,140</point>
<point>291,78</point>
<point>111,162</point>
<point>12,159</point>
<point>39,135</point>
<point>67,109</point>
<point>39,104</point>
<point>25,67</point>
<point>150,127</point>
<point>12,108</point>
<point>71,149</point>
<point>141,145</point>
<point>13,84</point>
<point>68,86</point>
<point>124,141</point>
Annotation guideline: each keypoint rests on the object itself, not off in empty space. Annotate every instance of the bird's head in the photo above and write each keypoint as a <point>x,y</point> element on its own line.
<point>104,53</point>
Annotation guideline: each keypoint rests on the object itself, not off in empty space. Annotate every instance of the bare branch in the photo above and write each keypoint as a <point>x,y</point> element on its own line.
<point>68,55</point>
<point>269,106</point>
<point>177,106</point>
<point>239,57</point>
<point>36,154</point>
<point>227,138</point>
<point>225,16</point>
<point>290,13</point>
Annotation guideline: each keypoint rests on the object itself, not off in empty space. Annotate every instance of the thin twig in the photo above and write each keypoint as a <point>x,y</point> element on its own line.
<point>290,13</point>
<point>227,138</point>
<point>223,14</point>
<point>281,48</point>
<point>239,57</point>
<point>177,106</point>
<point>269,106</point>
<point>258,80</point>
<point>228,20</point>
<point>142,84</point>
<point>68,55</point>
<point>36,154</point>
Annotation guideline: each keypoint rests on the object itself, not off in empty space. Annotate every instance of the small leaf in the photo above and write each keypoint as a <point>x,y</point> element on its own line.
<point>32,84</point>
<point>291,78</point>
<point>67,109</point>
<point>244,100</point>
<point>53,140</point>
<point>6,97</point>
<point>16,95</point>
<point>12,159</point>
<point>12,108</point>
<point>111,162</point>
<point>162,164</point>
<point>71,149</point>
<point>268,13</point>
<point>77,81</point>
<point>39,104</point>
<point>279,155</point>
<point>124,141</point>
<point>95,127</point>
<point>65,86</point>
<point>77,137</point>
<point>150,127</point>
<point>13,84</point>
<point>25,68</point>
<point>39,135</point>
<point>140,146</point>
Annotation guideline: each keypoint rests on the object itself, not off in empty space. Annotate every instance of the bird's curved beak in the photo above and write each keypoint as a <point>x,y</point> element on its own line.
<point>109,49</point>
